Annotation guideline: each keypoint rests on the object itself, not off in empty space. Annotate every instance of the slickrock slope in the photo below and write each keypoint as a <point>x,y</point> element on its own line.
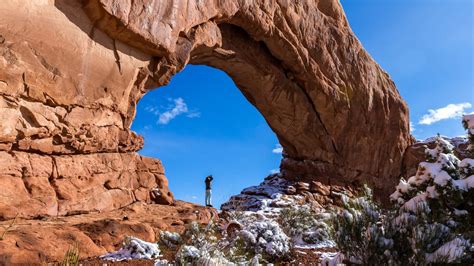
<point>46,240</point>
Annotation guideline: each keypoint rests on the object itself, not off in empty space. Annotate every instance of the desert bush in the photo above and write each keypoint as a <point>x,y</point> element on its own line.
<point>170,239</point>
<point>263,236</point>
<point>134,248</point>
<point>259,240</point>
<point>304,225</point>
<point>358,230</point>
<point>196,242</point>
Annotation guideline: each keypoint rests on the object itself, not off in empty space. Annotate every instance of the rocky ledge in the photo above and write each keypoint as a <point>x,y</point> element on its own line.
<point>47,240</point>
<point>37,186</point>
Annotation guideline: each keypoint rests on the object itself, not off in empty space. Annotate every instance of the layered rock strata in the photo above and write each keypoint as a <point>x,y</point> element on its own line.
<point>37,186</point>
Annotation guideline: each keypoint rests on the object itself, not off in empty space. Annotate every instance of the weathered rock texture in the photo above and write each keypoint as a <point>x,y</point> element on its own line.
<point>72,86</point>
<point>36,186</point>
<point>334,110</point>
<point>65,109</point>
<point>72,72</point>
<point>32,242</point>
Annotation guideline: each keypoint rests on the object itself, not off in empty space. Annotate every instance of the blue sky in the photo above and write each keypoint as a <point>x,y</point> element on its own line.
<point>201,124</point>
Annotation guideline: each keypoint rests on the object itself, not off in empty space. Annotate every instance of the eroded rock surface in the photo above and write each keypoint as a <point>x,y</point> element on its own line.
<point>334,110</point>
<point>276,193</point>
<point>35,186</point>
<point>72,72</point>
<point>38,241</point>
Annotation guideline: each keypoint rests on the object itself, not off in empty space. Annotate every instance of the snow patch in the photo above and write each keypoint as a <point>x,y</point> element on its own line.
<point>134,248</point>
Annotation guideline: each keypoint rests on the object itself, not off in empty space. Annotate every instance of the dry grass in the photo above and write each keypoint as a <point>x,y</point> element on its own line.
<point>8,228</point>
<point>71,258</point>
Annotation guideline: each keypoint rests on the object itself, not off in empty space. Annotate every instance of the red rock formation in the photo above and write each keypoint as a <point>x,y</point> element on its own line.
<point>35,186</point>
<point>32,242</point>
<point>72,87</point>
<point>334,110</point>
<point>64,112</point>
<point>72,72</point>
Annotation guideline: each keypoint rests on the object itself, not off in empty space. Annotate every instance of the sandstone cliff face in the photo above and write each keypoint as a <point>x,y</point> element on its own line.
<point>36,186</point>
<point>65,145</point>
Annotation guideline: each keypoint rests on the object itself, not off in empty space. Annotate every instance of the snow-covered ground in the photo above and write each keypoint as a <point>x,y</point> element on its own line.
<point>268,199</point>
<point>256,212</point>
<point>134,248</point>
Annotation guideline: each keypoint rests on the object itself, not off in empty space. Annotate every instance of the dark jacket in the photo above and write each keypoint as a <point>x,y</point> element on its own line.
<point>208,181</point>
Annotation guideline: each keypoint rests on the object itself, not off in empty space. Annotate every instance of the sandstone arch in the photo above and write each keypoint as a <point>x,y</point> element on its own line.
<point>334,110</point>
<point>73,71</point>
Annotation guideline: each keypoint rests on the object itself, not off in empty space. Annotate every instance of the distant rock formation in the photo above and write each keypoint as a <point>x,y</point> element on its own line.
<point>416,153</point>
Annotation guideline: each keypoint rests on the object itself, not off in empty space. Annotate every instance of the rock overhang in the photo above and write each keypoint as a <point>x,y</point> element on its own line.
<point>337,114</point>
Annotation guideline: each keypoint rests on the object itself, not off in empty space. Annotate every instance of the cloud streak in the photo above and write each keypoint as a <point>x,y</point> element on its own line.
<point>448,112</point>
<point>178,107</point>
<point>278,149</point>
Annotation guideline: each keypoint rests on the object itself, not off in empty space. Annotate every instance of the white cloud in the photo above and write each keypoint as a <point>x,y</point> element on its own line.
<point>412,127</point>
<point>278,149</point>
<point>274,171</point>
<point>179,107</point>
<point>193,114</point>
<point>448,112</point>
<point>175,109</point>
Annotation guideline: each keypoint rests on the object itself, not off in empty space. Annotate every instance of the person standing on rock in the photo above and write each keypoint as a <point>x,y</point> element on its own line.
<point>208,181</point>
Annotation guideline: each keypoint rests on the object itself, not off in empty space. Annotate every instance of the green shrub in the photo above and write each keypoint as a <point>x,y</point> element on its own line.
<point>305,225</point>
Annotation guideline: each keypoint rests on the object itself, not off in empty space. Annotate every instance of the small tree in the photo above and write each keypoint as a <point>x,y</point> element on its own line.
<point>359,233</point>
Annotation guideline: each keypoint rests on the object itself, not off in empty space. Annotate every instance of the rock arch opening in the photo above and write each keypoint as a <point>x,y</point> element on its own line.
<point>338,122</point>
<point>69,101</point>
<point>200,124</point>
